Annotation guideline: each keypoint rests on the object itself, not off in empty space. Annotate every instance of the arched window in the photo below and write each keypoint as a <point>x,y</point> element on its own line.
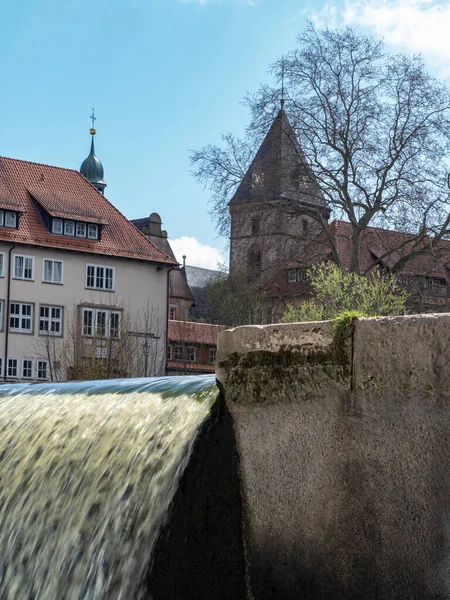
<point>253,261</point>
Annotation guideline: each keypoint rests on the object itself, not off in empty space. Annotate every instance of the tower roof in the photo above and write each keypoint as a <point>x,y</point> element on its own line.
<point>280,170</point>
<point>92,168</point>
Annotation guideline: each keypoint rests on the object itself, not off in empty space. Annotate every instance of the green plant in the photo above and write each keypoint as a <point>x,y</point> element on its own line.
<point>338,292</point>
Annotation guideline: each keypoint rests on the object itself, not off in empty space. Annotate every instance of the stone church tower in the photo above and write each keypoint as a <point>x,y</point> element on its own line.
<point>272,210</point>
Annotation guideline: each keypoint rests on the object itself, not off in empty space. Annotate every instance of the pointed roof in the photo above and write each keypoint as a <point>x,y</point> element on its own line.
<point>280,170</point>
<point>28,188</point>
<point>92,168</point>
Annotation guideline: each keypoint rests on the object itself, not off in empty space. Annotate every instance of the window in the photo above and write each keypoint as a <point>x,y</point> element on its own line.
<point>169,352</point>
<point>1,315</point>
<point>1,367</point>
<point>114,325</point>
<point>2,218</point>
<point>42,369</point>
<point>21,317</point>
<point>52,271</point>
<point>177,352</point>
<point>57,226</point>
<point>101,323</point>
<point>88,316</point>
<point>255,226</point>
<point>23,267</point>
<point>101,352</point>
<point>212,355</point>
<point>81,230</point>
<point>50,320</point>
<point>2,264</point>
<point>10,219</point>
<point>292,275</point>
<point>12,367</point>
<point>191,353</point>
<point>92,232</point>
<point>99,277</point>
<point>172,313</point>
<point>27,368</point>
<point>302,275</point>
<point>69,228</point>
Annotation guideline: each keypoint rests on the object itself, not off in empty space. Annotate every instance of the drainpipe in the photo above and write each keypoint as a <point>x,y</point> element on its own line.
<point>167,318</point>
<point>7,313</point>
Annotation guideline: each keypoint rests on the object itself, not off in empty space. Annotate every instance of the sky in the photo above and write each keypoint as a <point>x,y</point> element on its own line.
<point>166,77</point>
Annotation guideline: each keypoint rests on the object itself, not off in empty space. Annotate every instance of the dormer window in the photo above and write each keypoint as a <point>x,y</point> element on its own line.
<point>69,228</point>
<point>93,232</point>
<point>57,226</point>
<point>81,230</point>
<point>75,229</point>
<point>8,219</point>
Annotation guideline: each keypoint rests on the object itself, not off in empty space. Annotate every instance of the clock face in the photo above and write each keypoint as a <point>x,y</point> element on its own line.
<point>303,182</point>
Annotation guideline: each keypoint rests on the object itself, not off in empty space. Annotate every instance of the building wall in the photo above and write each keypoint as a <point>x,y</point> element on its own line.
<point>140,293</point>
<point>277,231</point>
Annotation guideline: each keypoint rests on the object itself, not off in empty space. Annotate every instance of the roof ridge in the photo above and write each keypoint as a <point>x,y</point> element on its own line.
<point>32,162</point>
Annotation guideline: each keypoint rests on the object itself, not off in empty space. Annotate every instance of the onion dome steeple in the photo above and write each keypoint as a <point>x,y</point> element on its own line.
<point>92,168</point>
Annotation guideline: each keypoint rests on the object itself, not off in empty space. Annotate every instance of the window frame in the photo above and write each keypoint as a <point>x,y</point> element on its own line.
<point>59,221</point>
<point>50,320</point>
<point>20,316</point>
<point>39,362</point>
<point>10,361</point>
<point>177,352</point>
<point>2,264</point>
<point>52,281</point>
<point>292,276</point>
<point>94,331</point>
<point>88,234</point>
<point>169,352</point>
<point>22,363</point>
<point>68,224</point>
<point>10,214</point>
<point>24,256</point>
<point>96,276</point>
<point>193,351</point>
<point>79,224</point>
<point>212,352</point>
<point>174,309</point>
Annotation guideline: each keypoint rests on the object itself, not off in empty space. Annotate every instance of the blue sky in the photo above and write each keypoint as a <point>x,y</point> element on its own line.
<point>165,76</point>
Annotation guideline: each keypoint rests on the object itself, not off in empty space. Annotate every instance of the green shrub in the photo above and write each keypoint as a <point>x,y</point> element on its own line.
<point>337,291</point>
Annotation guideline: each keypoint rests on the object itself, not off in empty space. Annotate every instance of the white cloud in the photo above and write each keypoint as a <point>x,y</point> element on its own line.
<point>197,254</point>
<point>416,26</point>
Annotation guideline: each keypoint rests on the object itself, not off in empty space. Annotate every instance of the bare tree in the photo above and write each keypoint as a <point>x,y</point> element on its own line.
<point>103,341</point>
<point>374,136</point>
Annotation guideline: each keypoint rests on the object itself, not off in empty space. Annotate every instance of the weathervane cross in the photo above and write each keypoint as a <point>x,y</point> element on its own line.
<point>93,117</point>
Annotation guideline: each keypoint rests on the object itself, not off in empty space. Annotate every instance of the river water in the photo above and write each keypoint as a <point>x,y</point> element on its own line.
<point>87,473</point>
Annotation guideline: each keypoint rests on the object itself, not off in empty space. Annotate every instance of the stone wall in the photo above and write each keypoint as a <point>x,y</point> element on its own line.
<point>344,457</point>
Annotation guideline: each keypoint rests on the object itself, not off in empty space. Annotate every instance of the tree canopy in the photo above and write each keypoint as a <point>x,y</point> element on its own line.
<point>373,127</point>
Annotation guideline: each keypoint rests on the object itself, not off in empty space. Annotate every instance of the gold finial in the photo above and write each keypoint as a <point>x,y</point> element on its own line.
<point>93,118</point>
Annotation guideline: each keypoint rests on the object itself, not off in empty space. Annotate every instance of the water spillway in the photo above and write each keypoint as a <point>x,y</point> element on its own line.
<point>87,472</point>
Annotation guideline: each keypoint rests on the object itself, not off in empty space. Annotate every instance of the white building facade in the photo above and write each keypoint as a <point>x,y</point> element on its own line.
<point>83,294</point>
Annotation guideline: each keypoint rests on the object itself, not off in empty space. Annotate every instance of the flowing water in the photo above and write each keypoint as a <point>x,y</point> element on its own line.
<point>87,473</point>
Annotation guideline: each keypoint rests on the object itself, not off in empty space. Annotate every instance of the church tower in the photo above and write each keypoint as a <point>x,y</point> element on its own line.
<point>92,168</point>
<point>272,212</point>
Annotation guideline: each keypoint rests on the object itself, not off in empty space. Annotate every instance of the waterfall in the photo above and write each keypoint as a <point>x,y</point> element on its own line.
<point>87,473</point>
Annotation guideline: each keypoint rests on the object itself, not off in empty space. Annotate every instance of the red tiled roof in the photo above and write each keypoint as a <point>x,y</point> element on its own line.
<point>389,247</point>
<point>67,194</point>
<point>194,332</point>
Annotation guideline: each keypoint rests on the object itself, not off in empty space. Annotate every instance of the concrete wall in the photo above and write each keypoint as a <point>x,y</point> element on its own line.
<point>344,457</point>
